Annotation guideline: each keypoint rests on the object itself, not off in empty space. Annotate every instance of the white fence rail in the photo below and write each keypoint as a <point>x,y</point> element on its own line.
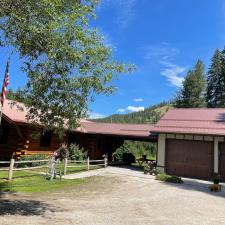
<point>88,163</point>
<point>84,163</point>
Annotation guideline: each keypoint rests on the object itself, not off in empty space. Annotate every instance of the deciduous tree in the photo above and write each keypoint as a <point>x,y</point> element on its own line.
<point>65,59</point>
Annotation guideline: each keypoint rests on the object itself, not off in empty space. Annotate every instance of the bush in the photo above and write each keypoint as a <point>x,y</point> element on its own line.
<point>168,178</point>
<point>77,153</point>
<point>137,148</point>
<point>33,157</point>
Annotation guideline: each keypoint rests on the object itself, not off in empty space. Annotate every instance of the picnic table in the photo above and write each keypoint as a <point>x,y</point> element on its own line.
<point>142,160</point>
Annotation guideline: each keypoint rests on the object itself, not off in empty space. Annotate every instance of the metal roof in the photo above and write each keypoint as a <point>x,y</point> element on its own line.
<point>17,113</point>
<point>203,121</point>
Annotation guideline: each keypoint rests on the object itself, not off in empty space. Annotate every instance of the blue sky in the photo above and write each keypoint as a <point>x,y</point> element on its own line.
<point>162,38</point>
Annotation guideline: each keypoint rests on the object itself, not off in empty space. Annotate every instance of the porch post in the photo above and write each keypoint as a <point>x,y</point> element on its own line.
<point>216,155</point>
<point>161,152</point>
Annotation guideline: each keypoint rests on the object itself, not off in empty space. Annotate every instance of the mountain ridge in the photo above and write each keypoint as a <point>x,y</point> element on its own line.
<point>149,115</point>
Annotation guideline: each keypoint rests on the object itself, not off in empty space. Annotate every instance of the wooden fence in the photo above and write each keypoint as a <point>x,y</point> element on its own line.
<point>67,164</point>
<point>88,162</point>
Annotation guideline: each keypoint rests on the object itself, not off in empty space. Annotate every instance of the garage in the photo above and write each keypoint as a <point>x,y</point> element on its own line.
<point>189,158</point>
<point>222,161</point>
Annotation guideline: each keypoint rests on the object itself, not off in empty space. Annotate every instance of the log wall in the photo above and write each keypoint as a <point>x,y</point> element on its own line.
<point>96,145</point>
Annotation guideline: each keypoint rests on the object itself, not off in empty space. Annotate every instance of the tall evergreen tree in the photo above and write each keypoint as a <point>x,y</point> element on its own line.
<point>215,96</point>
<point>191,94</point>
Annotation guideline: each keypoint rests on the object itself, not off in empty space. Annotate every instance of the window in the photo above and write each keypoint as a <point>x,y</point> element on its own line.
<point>46,138</point>
<point>4,133</point>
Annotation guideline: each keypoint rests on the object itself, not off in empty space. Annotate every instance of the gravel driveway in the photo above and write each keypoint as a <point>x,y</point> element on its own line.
<point>118,196</point>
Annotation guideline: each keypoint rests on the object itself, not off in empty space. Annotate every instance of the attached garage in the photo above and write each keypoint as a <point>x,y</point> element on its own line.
<point>191,143</point>
<point>189,158</point>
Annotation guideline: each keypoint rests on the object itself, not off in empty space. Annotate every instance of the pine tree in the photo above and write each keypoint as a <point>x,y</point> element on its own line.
<point>191,94</point>
<point>215,96</point>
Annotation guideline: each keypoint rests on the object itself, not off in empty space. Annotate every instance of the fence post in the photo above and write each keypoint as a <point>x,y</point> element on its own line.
<point>65,166</point>
<point>88,163</point>
<point>105,161</point>
<point>12,161</point>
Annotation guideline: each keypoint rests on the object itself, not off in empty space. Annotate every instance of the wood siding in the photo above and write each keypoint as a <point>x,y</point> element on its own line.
<point>6,150</point>
<point>96,145</point>
<point>222,161</point>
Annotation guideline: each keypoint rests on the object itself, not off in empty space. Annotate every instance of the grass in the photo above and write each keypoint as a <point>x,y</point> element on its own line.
<point>33,181</point>
<point>168,178</point>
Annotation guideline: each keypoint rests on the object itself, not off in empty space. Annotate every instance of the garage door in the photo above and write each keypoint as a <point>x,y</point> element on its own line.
<point>222,160</point>
<point>192,159</point>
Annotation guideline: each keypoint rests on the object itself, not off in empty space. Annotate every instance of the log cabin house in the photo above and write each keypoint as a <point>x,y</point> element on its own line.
<point>191,142</point>
<point>16,135</point>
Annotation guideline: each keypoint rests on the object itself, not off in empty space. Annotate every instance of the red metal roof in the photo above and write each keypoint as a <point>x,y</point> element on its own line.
<point>131,130</point>
<point>192,121</point>
<point>13,113</point>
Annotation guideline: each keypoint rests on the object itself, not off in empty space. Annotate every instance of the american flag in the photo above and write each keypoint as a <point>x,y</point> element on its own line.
<point>5,84</point>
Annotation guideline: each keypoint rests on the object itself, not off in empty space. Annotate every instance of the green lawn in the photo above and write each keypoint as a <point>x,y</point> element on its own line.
<point>34,181</point>
<point>29,182</point>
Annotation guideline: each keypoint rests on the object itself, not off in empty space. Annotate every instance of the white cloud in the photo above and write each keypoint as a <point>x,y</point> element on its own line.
<point>138,99</point>
<point>131,109</point>
<point>94,115</point>
<point>161,51</point>
<point>121,110</point>
<point>125,10</point>
<point>135,108</point>
<point>173,73</point>
<point>164,54</point>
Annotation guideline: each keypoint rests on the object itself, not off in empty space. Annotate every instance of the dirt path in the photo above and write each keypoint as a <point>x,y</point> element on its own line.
<point>117,197</point>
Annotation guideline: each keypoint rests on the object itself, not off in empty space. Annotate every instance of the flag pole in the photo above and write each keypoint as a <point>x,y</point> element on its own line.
<point>1,108</point>
<point>4,90</point>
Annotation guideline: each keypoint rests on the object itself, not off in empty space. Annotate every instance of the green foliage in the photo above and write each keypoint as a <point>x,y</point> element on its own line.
<point>29,182</point>
<point>149,115</point>
<point>216,178</point>
<point>15,96</point>
<point>33,157</point>
<point>137,148</point>
<point>77,153</point>
<point>215,96</point>
<point>191,94</point>
<point>65,58</point>
<point>168,178</point>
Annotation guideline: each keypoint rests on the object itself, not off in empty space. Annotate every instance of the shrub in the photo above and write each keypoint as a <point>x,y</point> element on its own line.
<point>216,178</point>
<point>33,157</point>
<point>77,153</point>
<point>168,178</point>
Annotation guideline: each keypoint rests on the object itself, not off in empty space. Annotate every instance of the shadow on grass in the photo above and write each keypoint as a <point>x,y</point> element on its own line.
<point>23,207</point>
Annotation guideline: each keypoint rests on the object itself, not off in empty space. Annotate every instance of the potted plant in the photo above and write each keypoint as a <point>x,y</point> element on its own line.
<point>216,178</point>
<point>216,183</point>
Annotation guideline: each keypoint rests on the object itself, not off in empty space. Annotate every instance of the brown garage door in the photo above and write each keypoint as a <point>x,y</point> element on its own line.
<point>192,159</point>
<point>222,160</point>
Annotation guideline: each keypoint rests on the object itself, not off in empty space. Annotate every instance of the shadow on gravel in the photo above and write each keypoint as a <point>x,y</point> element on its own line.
<point>129,167</point>
<point>23,207</point>
<point>198,185</point>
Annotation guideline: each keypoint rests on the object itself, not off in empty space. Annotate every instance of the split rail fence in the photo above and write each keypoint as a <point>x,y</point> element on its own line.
<point>10,166</point>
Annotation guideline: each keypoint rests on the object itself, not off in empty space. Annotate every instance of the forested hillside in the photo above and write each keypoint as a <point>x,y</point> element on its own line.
<point>149,115</point>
